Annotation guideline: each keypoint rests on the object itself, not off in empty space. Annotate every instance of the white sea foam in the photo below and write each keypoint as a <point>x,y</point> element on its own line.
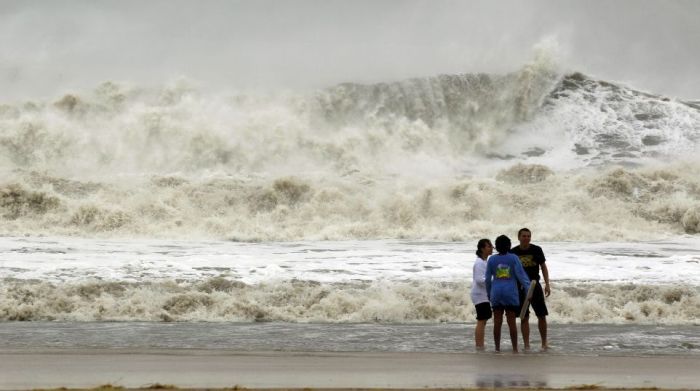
<point>449,157</point>
<point>386,281</point>
<point>220,299</point>
<point>342,175</point>
<point>73,260</point>
<point>596,205</point>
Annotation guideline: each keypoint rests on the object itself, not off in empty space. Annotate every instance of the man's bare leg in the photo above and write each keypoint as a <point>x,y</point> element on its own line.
<point>513,328</point>
<point>497,322</point>
<point>479,334</point>
<point>525,330</point>
<point>542,325</point>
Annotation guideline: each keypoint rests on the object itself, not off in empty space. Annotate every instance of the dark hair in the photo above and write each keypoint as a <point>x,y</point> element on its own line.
<point>502,244</point>
<point>523,230</point>
<point>479,246</point>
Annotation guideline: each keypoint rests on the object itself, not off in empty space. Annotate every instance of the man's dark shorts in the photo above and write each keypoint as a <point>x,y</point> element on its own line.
<point>483,311</point>
<point>537,303</point>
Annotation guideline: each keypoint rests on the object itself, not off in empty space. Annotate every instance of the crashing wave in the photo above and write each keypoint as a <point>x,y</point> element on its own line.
<point>450,157</point>
<point>221,299</point>
<point>608,122</point>
<point>613,204</point>
<point>347,128</point>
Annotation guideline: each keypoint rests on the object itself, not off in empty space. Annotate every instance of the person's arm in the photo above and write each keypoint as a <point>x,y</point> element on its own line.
<point>480,274</point>
<point>487,280</point>
<point>545,275</point>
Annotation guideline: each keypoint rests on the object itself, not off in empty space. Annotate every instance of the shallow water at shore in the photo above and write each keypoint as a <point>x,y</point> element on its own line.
<point>598,339</point>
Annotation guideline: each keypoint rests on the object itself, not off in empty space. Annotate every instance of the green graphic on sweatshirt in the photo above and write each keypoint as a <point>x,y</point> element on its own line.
<point>503,271</point>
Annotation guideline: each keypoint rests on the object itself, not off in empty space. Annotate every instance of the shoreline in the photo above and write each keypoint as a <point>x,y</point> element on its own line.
<point>109,387</point>
<point>207,369</point>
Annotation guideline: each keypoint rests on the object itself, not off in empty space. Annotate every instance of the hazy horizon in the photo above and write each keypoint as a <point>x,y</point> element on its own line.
<point>52,48</point>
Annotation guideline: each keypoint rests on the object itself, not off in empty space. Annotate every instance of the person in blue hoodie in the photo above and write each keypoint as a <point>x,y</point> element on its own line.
<point>503,272</point>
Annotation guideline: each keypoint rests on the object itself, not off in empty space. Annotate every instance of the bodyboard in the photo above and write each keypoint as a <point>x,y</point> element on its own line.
<point>528,297</point>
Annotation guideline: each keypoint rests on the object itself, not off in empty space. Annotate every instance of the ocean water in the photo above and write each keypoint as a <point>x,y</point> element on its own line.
<point>91,280</point>
<point>350,209</point>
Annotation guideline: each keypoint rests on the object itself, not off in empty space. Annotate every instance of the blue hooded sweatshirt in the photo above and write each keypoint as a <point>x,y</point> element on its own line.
<point>503,272</point>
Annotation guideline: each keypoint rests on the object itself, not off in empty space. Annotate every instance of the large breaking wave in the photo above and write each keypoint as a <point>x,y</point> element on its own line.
<point>450,157</point>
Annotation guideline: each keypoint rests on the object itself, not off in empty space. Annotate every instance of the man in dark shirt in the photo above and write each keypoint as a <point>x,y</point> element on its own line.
<point>532,259</point>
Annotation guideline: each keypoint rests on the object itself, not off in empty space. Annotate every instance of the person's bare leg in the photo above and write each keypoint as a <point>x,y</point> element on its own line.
<point>497,322</point>
<point>525,330</point>
<point>542,325</point>
<point>479,334</point>
<point>513,328</point>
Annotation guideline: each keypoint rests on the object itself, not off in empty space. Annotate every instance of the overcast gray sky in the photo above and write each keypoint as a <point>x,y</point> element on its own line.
<point>54,47</point>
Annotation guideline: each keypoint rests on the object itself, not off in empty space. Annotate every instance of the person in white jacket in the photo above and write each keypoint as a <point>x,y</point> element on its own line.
<point>480,297</point>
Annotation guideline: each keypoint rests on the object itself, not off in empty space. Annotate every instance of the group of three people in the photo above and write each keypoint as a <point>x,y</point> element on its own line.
<point>500,284</point>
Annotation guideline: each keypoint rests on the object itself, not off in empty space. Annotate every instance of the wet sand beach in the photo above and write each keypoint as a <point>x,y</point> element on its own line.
<point>183,368</point>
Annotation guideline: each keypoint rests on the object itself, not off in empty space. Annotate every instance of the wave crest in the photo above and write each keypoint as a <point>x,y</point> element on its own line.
<point>408,159</point>
<point>444,123</point>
